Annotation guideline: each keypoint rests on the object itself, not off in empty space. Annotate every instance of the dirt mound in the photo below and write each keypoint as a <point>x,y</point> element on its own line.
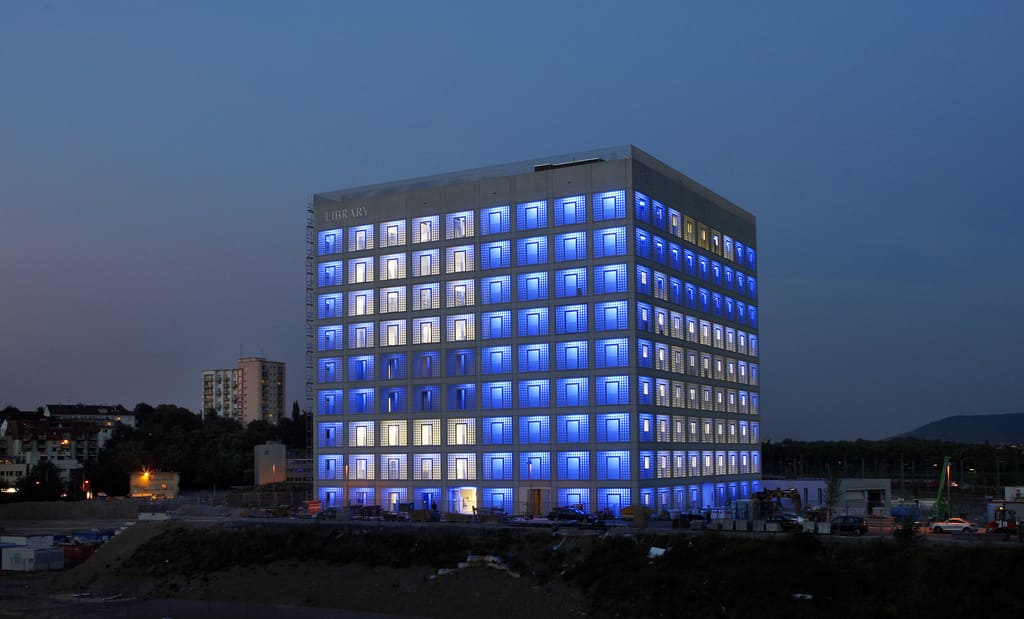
<point>102,570</point>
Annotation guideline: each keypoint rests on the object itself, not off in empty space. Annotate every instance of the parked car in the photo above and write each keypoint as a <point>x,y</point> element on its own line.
<point>849,524</point>
<point>573,515</point>
<point>789,521</point>
<point>951,525</point>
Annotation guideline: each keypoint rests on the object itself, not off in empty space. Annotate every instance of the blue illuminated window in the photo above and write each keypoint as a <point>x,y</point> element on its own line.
<point>533,321</point>
<point>741,312</point>
<point>571,319</point>
<point>741,252</point>
<point>611,316</point>
<point>612,390</point>
<point>752,316</point>
<point>659,250</point>
<point>426,364</point>
<point>613,465</point>
<point>391,366</point>
<point>532,215</point>
<point>574,465</point>
<point>703,268</point>
<point>572,392</point>
<point>570,283</point>
<point>496,325</point>
<point>643,280</point>
<point>571,355</point>
<point>330,305</point>
<point>658,211</point>
<point>704,299</point>
<point>329,241</point>
<point>571,246</point>
<point>535,465</point>
<point>462,397</point>
<point>496,430</point>
<point>647,472</point>
<point>675,256</point>
<point>716,304</point>
<point>427,398</point>
<point>329,402</point>
<point>461,362</point>
<point>675,291</point>
<point>532,286</point>
<point>609,242</point>
<point>330,274</point>
<point>495,255</point>
<point>730,308</point>
<point>494,220</point>
<point>495,290</point>
<point>716,273</point>
<point>641,207</point>
<point>643,317</point>
<point>643,243</point>
<point>610,279</point>
<point>532,250</point>
<point>609,205</point>
<point>646,390</point>
<point>534,429</point>
<point>573,429</point>
<point>691,296</point>
<point>612,353</point>
<point>613,428</point>
<point>496,359</point>
<point>751,287</point>
<point>751,260</point>
<point>534,394</point>
<point>497,394</point>
<point>533,358</point>
<point>360,401</point>
<point>330,338</point>
<point>498,466</point>
<point>727,277</point>
<point>571,210</point>
<point>392,400</point>
<point>690,262</point>
<point>644,354</point>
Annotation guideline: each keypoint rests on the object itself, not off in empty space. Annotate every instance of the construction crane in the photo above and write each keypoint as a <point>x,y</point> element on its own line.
<point>940,510</point>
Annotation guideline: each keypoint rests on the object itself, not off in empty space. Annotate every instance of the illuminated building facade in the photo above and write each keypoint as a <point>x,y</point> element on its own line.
<point>535,334</point>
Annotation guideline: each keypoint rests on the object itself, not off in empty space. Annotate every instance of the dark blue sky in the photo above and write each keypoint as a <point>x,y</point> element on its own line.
<point>155,159</point>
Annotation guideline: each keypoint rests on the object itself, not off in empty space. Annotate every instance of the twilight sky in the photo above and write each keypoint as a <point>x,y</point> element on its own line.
<point>155,159</point>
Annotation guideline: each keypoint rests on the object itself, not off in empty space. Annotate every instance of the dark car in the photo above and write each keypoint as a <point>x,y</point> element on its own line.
<point>849,524</point>
<point>571,514</point>
<point>788,521</point>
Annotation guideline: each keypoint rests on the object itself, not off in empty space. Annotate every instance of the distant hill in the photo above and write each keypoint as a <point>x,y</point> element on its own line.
<point>993,429</point>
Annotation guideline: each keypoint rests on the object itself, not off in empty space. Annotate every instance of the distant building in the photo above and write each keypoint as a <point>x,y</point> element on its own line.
<point>67,436</point>
<point>252,391</point>
<point>269,464</point>
<point>155,485</point>
<point>856,496</point>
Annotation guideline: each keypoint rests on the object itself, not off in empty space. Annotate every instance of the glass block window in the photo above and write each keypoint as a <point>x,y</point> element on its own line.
<point>612,353</point>
<point>460,259</point>
<point>534,394</point>
<point>609,205</point>
<point>496,394</point>
<point>570,246</point>
<point>496,430</point>
<point>462,397</point>
<point>498,466</point>
<point>462,431</point>
<point>574,465</point>
<point>612,428</point>
<point>535,465</point>
<point>426,432</point>
<point>394,467</point>
<point>610,279</point>
<point>426,229</point>
<point>461,328</point>
<point>392,333</point>
<point>361,335</point>
<point>570,283</point>
<point>494,220</point>
<point>571,319</point>
<point>426,262</point>
<point>495,290</point>
<point>461,466</point>
<point>571,210</point>
<point>609,242</point>
<point>572,391</point>
<point>392,266</point>
<point>330,241</point>
<point>459,225</point>
<point>611,316</point>
<point>498,498</point>
<point>613,499</point>
<point>532,321</point>
<point>579,497</point>
<point>330,401</point>
<point>641,207</point>
<point>496,325</point>
<point>391,233</point>
<point>495,255</point>
<point>460,293</point>
<point>330,305</point>
<point>532,286</point>
<point>330,434</point>
<point>572,355</point>
<point>392,299</point>
<point>532,215</point>
<point>496,359</point>
<point>532,250</point>
<point>613,465</point>
<point>361,434</point>
<point>533,357</point>
<point>573,428</point>
<point>331,274</point>
<point>612,390</point>
<point>360,238</point>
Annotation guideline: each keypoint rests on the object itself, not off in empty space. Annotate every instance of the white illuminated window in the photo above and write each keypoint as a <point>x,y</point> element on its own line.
<point>460,329</point>
<point>424,231</point>
<point>460,226</point>
<point>360,337</point>
<point>460,294</point>
<point>427,434</point>
<point>393,434</point>
<point>392,234</point>
<point>360,436</point>
<point>360,272</point>
<point>392,301</point>
<point>392,268</point>
<point>426,468</point>
<point>360,239</point>
<point>461,468</point>
<point>425,264</point>
<point>426,299</point>
<point>426,332</point>
<point>460,260</point>
<point>360,304</point>
<point>460,433</point>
